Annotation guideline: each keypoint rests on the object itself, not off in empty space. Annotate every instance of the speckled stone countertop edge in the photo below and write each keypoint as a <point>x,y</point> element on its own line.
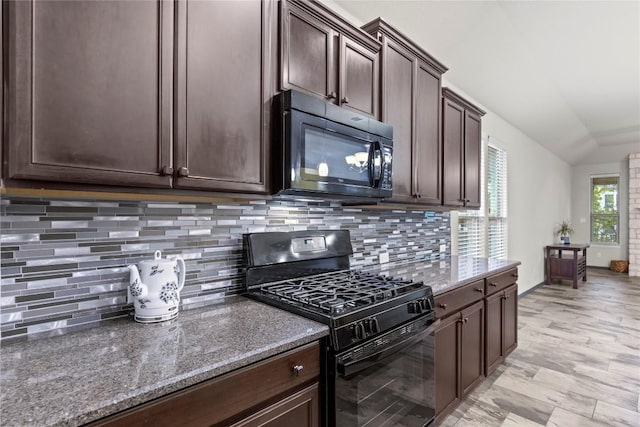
<point>466,281</point>
<point>205,373</point>
<point>444,275</point>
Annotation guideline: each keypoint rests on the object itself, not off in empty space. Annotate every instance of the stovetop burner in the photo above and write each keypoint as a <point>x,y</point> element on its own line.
<point>340,292</point>
<point>308,273</point>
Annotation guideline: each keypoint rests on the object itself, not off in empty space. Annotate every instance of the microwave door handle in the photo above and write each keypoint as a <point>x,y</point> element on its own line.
<point>351,368</point>
<point>370,168</point>
<point>377,171</point>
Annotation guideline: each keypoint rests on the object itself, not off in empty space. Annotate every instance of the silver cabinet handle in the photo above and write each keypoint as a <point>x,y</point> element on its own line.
<point>297,370</point>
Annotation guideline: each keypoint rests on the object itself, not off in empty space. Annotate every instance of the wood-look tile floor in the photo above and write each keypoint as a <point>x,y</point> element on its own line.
<point>577,361</point>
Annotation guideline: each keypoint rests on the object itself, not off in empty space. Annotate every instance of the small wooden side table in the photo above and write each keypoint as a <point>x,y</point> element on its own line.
<point>567,267</point>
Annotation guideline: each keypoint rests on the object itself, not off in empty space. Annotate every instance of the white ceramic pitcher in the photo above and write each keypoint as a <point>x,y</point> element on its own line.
<point>154,288</point>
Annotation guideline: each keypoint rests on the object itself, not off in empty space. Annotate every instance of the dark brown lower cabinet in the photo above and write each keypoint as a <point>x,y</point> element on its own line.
<point>299,410</point>
<point>459,357</point>
<point>267,393</point>
<point>478,330</point>
<point>446,361</point>
<point>472,348</point>
<point>502,326</point>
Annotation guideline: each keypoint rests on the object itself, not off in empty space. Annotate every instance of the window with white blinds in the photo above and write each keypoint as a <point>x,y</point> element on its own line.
<point>497,202</point>
<point>483,232</point>
<point>471,223</point>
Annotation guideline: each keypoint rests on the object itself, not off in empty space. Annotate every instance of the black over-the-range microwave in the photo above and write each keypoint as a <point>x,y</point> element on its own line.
<point>322,150</point>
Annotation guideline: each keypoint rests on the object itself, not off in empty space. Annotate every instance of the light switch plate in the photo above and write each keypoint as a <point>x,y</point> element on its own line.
<point>384,258</point>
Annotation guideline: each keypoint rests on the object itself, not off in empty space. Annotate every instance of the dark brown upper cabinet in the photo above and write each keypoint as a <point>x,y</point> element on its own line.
<point>141,93</point>
<point>89,91</point>
<point>410,101</point>
<point>325,56</point>
<point>225,82</point>
<point>461,143</point>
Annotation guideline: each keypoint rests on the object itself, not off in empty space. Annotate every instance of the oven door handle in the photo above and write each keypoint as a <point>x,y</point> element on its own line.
<point>351,368</point>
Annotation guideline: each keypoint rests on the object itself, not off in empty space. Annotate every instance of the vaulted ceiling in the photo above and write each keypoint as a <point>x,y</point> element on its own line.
<point>566,73</point>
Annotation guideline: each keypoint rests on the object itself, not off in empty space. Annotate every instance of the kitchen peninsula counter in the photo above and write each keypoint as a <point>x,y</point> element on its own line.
<point>81,376</point>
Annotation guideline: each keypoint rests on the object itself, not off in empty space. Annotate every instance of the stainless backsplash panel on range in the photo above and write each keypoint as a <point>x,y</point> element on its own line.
<point>64,261</point>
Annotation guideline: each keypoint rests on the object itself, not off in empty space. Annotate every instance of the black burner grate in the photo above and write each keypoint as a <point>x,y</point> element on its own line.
<point>340,292</point>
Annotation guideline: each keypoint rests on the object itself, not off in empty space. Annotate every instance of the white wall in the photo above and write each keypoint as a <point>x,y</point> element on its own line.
<point>599,255</point>
<point>539,189</point>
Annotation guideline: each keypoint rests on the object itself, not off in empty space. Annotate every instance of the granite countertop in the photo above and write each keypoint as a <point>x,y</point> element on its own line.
<point>446,275</point>
<point>77,377</point>
<point>81,376</point>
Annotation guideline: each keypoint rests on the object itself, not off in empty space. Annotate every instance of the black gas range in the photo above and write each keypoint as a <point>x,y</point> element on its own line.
<point>379,360</point>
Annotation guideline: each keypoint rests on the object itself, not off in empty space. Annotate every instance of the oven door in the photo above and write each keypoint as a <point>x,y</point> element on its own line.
<point>388,381</point>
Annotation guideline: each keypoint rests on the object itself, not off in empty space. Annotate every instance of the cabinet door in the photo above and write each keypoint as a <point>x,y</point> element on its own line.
<point>472,347</point>
<point>447,350</point>
<point>510,323</point>
<point>359,81</point>
<point>427,145</point>
<point>397,110</point>
<point>452,145</point>
<point>472,147</point>
<point>307,54</point>
<point>223,94</point>
<point>494,332</point>
<point>298,410</point>
<point>89,91</point>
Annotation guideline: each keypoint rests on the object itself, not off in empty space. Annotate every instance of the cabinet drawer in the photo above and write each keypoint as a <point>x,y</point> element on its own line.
<point>500,281</point>
<point>450,302</point>
<point>219,399</point>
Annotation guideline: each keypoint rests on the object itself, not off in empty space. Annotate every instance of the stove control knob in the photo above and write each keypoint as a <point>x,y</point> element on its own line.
<point>414,307</point>
<point>425,304</point>
<point>371,325</point>
<point>358,331</point>
<point>376,326</point>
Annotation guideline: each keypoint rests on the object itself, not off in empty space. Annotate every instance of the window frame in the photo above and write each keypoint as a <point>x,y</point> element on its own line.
<point>481,217</point>
<point>615,215</point>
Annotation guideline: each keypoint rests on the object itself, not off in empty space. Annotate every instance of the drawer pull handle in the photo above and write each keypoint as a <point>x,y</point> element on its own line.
<point>443,306</point>
<point>479,290</point>
<point>297,370</point>
<point>465,320</point>
<point>514,275</point>
<point>493,284</point>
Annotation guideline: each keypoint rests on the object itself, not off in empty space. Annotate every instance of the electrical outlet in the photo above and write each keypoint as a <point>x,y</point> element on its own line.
<point>384,258</point>
<point>443,248</point>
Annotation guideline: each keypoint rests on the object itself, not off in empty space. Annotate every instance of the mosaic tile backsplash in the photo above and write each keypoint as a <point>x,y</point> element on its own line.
<point>64,261</point>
